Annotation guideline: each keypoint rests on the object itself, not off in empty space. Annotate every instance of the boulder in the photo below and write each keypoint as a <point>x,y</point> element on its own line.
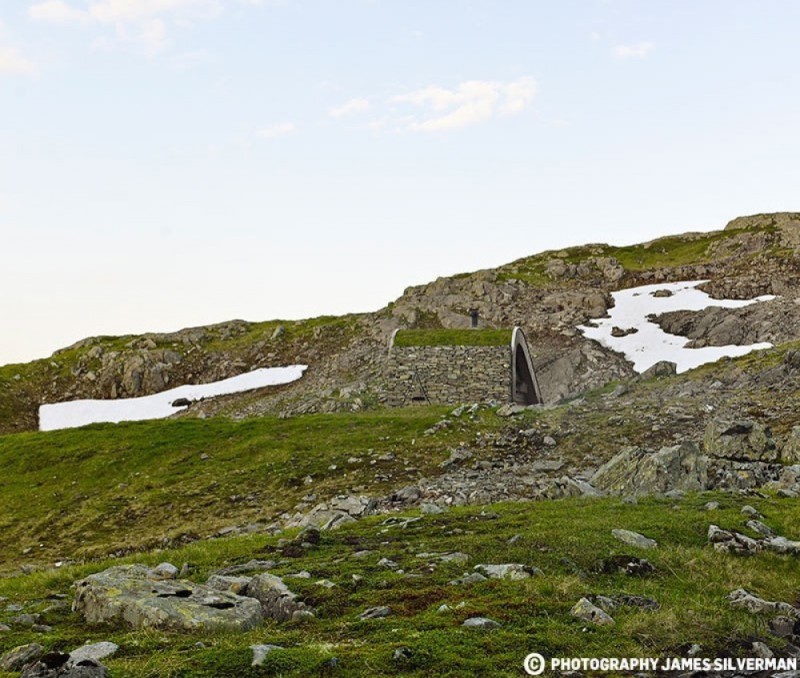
<point>15,659</point>
<point>584,609</point>
<point>663,368</point>
<point>336,512</point>
<point>740,440</point>
<point>129,594</point>
<point>639,472</point>
<point>635,539</point>
<point>513,571</point>
<point>756,605</point>
<point>732,542</point>
<point>93,651</point>
<point>59,665</point>
<point>481,623</point>
<point>277,601</point>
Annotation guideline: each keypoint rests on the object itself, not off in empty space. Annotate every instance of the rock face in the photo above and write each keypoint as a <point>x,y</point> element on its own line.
<point>636,471</point>
<point>129,594</point>
<point>740,440</point>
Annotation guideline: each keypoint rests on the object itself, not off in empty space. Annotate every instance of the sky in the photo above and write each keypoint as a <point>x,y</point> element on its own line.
<point>171,163</point>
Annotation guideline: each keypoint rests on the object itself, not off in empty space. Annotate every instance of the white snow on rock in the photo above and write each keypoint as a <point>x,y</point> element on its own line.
<point>159,405</point>
<point>650,344</point>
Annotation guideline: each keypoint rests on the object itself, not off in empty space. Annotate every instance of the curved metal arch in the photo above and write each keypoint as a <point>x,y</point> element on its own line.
<point>524,385</point>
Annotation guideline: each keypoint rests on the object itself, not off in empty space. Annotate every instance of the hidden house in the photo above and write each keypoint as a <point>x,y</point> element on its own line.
<point>449,367</point>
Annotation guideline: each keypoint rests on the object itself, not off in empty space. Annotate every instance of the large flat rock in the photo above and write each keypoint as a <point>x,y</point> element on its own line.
<point>131,595</point>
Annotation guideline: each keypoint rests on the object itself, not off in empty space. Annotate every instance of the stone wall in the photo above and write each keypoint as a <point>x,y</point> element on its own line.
<point>449,374</point>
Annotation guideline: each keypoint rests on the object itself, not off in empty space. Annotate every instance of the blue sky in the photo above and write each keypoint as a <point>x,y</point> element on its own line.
<point>166,163</point>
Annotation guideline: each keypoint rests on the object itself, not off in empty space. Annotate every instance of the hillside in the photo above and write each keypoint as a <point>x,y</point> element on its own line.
<point>368,535</point>
<point>547,294</point>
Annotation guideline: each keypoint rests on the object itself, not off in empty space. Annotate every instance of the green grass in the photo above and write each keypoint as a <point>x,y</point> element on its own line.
<point>568,540</point>
<point>443,337</point>
<point>85,493</point>
<point>666,252</point>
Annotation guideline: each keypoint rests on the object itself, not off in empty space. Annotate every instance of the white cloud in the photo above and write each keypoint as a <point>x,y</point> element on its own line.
<point>637,50</point>
<point>274,131</point>
<point>56,11</point>
<point>146,22</point>
<point>13,63</point>
<point>472,102</point>
<point>349,108</point>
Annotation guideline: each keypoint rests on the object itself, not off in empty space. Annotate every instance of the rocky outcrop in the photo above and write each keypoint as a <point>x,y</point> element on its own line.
<point>740,440</point>
<point>636,471</point>
<point>277,601</point>
<point>129,594</point>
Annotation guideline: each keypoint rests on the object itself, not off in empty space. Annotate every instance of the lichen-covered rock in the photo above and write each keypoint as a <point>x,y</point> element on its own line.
<point>277,601</point>
<point>732,542</point>
<point>756,605</point>
<point>15,659</point>
<point>513,571</point>
<point>639,472</point>
<point>584,609</point>
<point>129,594</point>
<point>741,440</point>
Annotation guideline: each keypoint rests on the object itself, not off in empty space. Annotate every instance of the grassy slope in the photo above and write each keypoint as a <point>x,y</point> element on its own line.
<point>24,386</point>
<point>87,492</point>
<point>566,539</point>
<point>443,337</point>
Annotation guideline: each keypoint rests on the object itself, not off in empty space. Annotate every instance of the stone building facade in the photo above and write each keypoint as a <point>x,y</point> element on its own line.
<point>451,375</point>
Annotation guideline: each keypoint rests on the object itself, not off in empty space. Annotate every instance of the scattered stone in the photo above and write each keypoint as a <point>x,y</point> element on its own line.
<point>758,526</point>
<point>129,594</point>
<point>431,509</point>
<point>27,620</point>
<point>510,410</point>
<point>762,651</point>
<point>277,601</point>
<point>611,603</point>
<point>481,623</point>
<point>782,545</point>
<point>629,565</point>
<point>634,539</point>
<point>711,506</point>
<point>95,651</point>
<point>513,571</point>
<point>585,610</point>
<point>468,578</point>
<point>444,607</point>
<point>164,571</point>
<point>376,612</point>
<point>663,368</point>
<point>42,628</point>
<point>388,564</point>
<point>732,542</point>
<point>623,332</point>
<point>260,653</point>
<point>549,441</point>
<point>750,511</point>
<point>402,654</point>
<point>457,456</point>
<point>15,659</point>
<point>756,605</point>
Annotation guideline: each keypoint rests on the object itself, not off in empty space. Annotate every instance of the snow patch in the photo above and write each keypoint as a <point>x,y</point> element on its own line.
<point>159,405</point>
<point>649,343</point>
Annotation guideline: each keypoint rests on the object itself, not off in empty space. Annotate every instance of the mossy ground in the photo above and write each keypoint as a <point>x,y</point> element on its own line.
<point>442,337</point>
<point>568,540</point>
